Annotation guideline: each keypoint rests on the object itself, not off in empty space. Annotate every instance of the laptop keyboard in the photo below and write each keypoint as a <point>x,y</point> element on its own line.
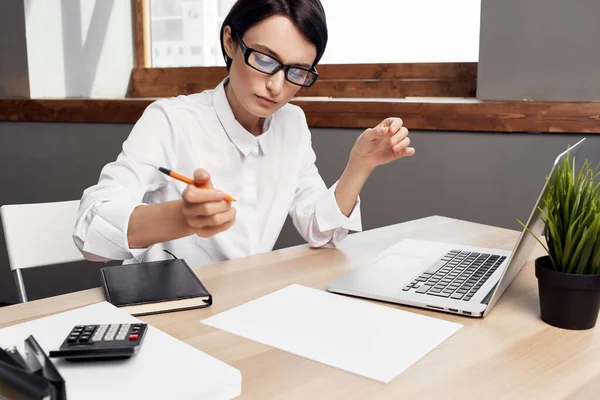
<point>457,275</point>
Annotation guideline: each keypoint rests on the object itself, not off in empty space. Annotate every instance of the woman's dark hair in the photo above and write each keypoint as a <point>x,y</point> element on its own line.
<point>307,15</point>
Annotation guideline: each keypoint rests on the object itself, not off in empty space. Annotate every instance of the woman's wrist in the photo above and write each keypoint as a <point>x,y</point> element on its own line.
<point>157,223</point>
<point>351,182</point>
<point>357,165</point>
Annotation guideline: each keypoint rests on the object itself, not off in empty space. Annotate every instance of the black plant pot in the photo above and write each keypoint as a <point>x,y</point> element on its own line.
<point>569,301</point>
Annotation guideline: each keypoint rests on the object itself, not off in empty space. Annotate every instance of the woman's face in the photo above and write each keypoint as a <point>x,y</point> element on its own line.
<point>261,94</point>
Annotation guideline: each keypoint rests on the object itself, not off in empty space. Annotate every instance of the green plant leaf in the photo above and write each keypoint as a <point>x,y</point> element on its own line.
<point>555,247</point>
<point>570,244</point>
<point>585,259</point>
<point>579,238</point>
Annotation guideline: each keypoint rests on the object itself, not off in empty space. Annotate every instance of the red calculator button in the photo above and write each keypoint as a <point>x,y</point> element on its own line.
<point>133,337</point>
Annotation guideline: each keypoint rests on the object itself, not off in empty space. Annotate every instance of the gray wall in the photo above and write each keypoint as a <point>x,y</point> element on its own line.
<point>14,79</point>
<point>482,177</point>
<point>542,50</point>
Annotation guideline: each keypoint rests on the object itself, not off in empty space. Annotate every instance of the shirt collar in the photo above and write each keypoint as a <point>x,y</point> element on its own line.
<point>239,136</point>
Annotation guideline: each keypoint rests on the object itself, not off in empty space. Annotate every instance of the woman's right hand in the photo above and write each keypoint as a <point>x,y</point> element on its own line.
<point>204,211</point>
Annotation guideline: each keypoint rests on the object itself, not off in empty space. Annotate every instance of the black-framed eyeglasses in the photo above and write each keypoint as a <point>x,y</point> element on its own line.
<point>268,65</point>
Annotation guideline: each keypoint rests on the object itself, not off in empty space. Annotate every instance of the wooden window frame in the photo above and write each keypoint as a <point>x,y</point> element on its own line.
<point>141,33</point>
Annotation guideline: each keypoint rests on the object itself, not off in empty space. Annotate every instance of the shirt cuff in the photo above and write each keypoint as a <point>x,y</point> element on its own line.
<point>329,216</point>
<point>107,234</point>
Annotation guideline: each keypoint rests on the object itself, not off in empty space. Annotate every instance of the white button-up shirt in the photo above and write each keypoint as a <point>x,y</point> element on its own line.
<point>270,176</point>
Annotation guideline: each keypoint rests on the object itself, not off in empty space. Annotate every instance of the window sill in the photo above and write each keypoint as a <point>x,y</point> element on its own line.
<point>440,114</point>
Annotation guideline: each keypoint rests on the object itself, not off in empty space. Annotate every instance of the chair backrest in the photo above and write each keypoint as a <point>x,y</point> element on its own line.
<point>40,234</point>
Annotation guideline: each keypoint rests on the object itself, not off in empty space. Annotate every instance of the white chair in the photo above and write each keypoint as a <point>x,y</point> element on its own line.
<point>37,235</point>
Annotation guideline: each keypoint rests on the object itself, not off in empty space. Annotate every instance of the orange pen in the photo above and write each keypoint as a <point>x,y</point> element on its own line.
<point>189,181</point>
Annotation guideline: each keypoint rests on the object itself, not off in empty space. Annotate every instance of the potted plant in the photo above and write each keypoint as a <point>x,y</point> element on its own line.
<point>569,276</point>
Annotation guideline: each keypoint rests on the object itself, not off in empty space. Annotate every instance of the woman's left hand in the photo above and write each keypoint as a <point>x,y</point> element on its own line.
<point>386,142</point>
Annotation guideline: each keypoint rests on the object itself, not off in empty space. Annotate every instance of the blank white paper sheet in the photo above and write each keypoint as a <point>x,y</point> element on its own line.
<point>364,338</point>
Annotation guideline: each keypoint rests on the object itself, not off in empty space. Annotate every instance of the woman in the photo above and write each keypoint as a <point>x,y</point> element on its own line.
<point>245,138</point>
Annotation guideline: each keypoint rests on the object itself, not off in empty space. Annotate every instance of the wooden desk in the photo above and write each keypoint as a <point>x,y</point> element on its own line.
<point>511,353</point>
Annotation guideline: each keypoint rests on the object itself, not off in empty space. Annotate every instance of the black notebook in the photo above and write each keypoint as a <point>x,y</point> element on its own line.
<point>154,287</point>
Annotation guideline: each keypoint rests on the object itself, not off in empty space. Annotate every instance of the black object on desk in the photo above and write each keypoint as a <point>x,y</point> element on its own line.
<point>154,287</point>
<point>108,341</point>
<point>34,375</point>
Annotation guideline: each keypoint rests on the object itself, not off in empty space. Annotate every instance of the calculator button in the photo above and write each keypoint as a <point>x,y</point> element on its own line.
<point>123,330</point>
<point>122,334</point>
<point>89,328</point>
<point>84,339</point>
<point>109,337</point>
<point>98,335</point>
<point>72,339</point>
<point>133,337</point>
<point>102,329</point>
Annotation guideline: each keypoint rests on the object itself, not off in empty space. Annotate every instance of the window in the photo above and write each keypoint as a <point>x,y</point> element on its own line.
<point>387,31</point>
<point>402,31</point>
<point>193,25</point>
<point>388,49</point>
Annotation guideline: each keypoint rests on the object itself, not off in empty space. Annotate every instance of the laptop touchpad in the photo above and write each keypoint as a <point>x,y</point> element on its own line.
<point>393,270</point>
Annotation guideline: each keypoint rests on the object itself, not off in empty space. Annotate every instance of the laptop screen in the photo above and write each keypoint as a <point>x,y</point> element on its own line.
<point>527,242</point>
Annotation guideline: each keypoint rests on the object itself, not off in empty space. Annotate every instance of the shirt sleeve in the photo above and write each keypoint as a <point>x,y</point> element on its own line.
<point>315,212</point>
<point>101,228</point>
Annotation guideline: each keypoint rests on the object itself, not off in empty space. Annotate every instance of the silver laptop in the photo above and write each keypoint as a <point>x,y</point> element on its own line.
<point>452,278</point>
